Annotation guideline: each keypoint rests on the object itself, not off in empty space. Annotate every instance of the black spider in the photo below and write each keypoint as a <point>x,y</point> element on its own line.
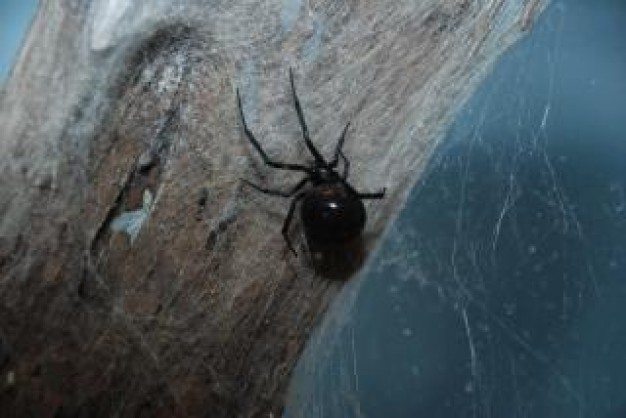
<point>331,212</point>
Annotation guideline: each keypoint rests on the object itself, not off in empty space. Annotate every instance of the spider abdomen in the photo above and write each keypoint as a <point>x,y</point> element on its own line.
<point>332,215</point>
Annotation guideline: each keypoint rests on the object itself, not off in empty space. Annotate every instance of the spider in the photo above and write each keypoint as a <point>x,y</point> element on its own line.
<point>331,211</point>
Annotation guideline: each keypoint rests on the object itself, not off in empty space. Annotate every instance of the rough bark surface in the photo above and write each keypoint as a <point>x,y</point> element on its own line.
<point>137,276</point>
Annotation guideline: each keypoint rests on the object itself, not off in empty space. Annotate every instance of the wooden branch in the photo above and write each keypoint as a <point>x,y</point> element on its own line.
<point>137,276</point>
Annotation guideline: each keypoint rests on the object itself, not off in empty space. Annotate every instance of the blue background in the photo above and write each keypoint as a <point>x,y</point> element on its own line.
<point>15,17</point>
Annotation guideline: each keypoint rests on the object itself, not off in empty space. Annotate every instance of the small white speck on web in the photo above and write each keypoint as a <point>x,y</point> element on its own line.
<point>10,378</point>
<point>407,332</point>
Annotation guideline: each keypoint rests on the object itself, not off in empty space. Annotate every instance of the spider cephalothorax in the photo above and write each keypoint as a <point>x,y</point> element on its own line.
<point>331,210</point>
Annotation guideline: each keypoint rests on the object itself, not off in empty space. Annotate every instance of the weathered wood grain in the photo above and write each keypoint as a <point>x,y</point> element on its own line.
<point>137,276</point>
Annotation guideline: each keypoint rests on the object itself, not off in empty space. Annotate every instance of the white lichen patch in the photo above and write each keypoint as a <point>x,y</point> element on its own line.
<point>132,221</point>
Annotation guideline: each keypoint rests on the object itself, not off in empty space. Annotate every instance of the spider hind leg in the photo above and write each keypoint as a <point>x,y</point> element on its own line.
<point>289,218</point>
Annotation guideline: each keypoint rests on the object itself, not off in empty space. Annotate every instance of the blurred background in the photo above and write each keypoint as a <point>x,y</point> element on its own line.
<point>15,17</point>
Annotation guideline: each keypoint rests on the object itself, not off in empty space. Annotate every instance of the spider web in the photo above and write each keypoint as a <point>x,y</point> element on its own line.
<point>495,292</point>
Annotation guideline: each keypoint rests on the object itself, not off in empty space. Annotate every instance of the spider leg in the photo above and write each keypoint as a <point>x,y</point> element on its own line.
<point>365,195</point>
<point>338,148</point>
<point>346,165</point>
<point>305,131</point>
<point>374,195</point>
<point>289,218</point>
<point>273,192</point>
<point>257,146</point>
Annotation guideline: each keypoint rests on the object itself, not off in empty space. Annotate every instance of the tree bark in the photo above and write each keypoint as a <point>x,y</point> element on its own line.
<point>137,275</point>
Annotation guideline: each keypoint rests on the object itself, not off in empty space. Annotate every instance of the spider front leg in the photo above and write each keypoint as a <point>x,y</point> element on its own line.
<point>339,147</point>
<point>273,192</point>
<point>257,146</point>
<point>346,166</point>
<point>339,153</point>
<point>305,131</point>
